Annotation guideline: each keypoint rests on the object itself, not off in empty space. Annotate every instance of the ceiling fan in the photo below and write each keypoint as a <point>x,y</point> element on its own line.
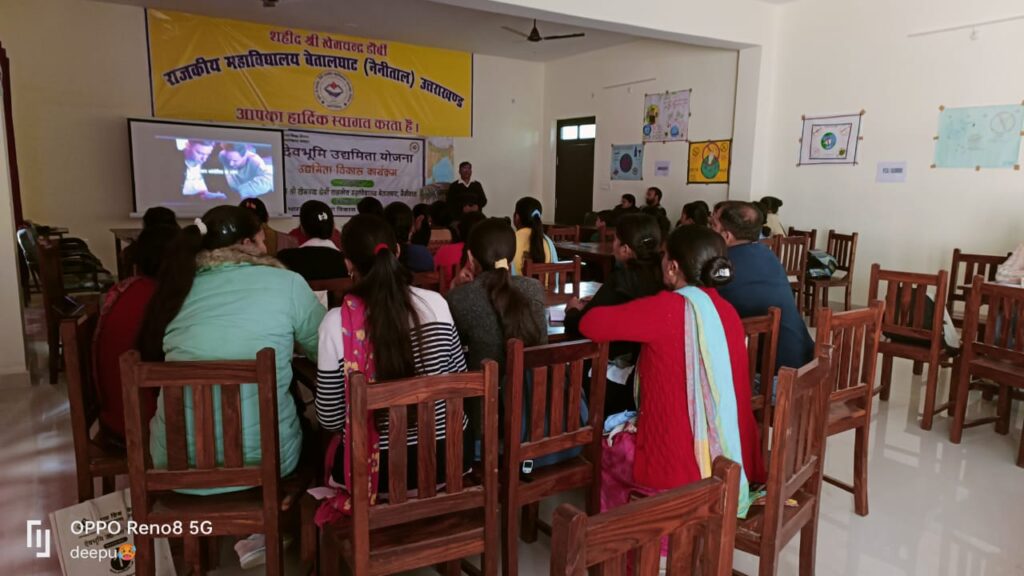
<point>534,35</point>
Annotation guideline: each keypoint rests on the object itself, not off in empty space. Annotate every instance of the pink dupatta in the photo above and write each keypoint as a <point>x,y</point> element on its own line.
<point>358,357</point>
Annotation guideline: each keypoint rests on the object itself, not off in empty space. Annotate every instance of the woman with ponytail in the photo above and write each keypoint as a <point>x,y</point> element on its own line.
<point>693,361</point>
<point>637,249</point>
<point>220,297</point>
<point>387,329</point>
<point>531,243</point>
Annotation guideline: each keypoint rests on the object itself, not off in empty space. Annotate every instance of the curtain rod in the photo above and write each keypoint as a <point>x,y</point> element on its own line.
<point>967,26</point>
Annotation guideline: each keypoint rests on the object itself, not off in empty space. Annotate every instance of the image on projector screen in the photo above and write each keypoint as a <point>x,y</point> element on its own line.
<point>221,170</point>
<point>191,168</point>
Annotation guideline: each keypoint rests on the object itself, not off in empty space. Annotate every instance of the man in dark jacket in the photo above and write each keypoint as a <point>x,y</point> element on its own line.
<point>465,194</point>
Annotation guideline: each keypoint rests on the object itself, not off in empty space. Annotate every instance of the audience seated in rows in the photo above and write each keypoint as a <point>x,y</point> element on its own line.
<point>414,256</point>
<point>220,297</point>
<point>759,280</point>
<point>637,250</point>
<point>386,329</point>
<point>370,205</point>
<point>318,258</point>
<point>451,255</point>
<point>693,321</point>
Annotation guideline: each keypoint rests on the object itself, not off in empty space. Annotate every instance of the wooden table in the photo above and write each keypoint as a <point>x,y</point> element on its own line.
<point>599,254</point>
<point>587,291</point>
<point>126,236</point>
<point>556,331</point>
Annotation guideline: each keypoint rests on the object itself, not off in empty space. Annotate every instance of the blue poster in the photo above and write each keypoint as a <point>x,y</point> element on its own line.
<point>627,161</point>
<point>979,137</point>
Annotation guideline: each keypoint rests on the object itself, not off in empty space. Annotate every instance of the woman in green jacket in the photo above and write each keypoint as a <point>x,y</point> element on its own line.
<point>222,298</point>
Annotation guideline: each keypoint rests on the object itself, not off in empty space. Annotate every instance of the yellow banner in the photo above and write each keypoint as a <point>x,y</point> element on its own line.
<point>230,71</point>
<point>709,162</point>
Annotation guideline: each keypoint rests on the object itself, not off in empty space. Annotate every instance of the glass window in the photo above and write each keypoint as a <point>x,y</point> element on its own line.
<point>588,131</point>
<point>570,132</point>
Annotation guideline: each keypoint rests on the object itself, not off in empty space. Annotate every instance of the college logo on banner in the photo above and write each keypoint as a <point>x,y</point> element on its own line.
<point>214,69</point>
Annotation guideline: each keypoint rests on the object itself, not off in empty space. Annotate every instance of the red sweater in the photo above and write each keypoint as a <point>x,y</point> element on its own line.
<point>116,333</point>
<point>664,443</point>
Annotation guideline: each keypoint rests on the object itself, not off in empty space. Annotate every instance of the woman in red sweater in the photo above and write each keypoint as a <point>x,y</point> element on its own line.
<point>664,454</point>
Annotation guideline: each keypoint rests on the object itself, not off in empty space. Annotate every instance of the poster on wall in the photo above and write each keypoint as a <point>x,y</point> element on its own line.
<point>667,116</point>
<point>342,169</point>
<point>232,71</point>
<point>627,162</point>
<point>979,137</point>
<point>709,162</point>
<point>830,139</point>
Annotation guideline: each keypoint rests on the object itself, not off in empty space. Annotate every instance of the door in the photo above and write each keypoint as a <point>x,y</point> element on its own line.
<point>574,169</point>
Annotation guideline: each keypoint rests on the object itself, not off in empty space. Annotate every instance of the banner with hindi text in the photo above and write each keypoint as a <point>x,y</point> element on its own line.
<point>214,69</point>
<point>342,169</point>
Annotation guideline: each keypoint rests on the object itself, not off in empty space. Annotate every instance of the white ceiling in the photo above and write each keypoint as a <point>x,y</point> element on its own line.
<point>411,21</point>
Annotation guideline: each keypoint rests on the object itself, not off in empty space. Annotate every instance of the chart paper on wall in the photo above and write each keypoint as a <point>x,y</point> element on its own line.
<point>667,116</point>
<point>627,162</point>
<point>709,162</point>
<point>979,137</point>
<point>830,139</point>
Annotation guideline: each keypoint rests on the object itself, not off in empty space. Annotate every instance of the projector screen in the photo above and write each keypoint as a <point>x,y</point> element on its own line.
<point>191,168</point>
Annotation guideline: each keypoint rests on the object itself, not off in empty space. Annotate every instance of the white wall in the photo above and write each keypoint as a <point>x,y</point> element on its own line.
<point>80,68</point>
<point>12,343</point>
<point>838,57</point>
<point>575,87</point>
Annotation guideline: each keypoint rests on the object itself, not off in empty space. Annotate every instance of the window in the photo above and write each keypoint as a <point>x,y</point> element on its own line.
<point>578,131</point>
<point>588,131</point>
<point>570,132</point>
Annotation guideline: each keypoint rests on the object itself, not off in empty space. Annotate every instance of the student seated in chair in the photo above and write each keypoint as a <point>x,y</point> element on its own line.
<point>318,258</point>
<point>386,329</point>
<point>693,361</point>
<point>275,241</point>
<point>222,298</point>
<point>415,257</point>
<point>531,242</point>
<point>759,280</point>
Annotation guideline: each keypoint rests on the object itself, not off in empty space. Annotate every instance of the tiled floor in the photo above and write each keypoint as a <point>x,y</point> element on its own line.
<point>936,509</point>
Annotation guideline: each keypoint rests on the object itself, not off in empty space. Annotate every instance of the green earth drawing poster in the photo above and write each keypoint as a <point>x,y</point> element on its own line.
<point>830,139</point>
<point>709,162</point>
<point>979,137</point>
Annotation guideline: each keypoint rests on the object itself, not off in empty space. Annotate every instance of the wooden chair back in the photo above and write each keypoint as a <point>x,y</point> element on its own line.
<point>812,234</point>
<point>904,294</point>
<point>217,457</point>
<point>95,455</point>
<point>399,398</point>
<point>562,233</point>
<point>558,278</point>
<point>772,242</point>
<point>843,247</point>
<point>793,254</point>
<point>700,513</point>
<point>798,450</point>
<point>336,289</point>
<point>853,337</point>
<point>965,267</point>
<point>999,336</point>
<point>762,348</point>
<point>607,235</point>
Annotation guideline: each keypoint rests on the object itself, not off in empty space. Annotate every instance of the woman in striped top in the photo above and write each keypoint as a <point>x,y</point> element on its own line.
<point>406,331</point>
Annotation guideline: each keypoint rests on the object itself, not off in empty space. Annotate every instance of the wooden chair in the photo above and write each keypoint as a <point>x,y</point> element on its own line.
<point>336,289</point>
<point>97,455</point>
<point>995,353</point>
<point>607,235</point>
<point>794,472</point>
<point>560,279</point>
<point>920,337</point>
<point>57,305</point>
<point>853,337</point>
<point>554,425</point>
<point>842,247</point>
<point>762,347</point>
<point>793,254</point>
<point>154,501</point>
<point>562,233</point>
<point>698,519</point>
<point>772,242</point>
<point>812,234</point>
<point>972,265</point>
<point>426,527</point>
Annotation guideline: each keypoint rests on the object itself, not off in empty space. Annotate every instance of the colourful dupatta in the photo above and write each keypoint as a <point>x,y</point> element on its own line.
<point>358,357</point>
<point>711,398</point>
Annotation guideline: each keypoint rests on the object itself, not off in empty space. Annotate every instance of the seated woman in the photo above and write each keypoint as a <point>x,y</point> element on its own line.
<point>275,241</point>
<point>695,323</point>
<point>450,256</point>
<point>386,329</point>
<point>531,243</point>
<point>771,206</point>
<point>696,212</point>
<point>118,327</point>
<point>415,257</point>
<point>637,249</point>
<point>222,298</point>
<point>318,258</point>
